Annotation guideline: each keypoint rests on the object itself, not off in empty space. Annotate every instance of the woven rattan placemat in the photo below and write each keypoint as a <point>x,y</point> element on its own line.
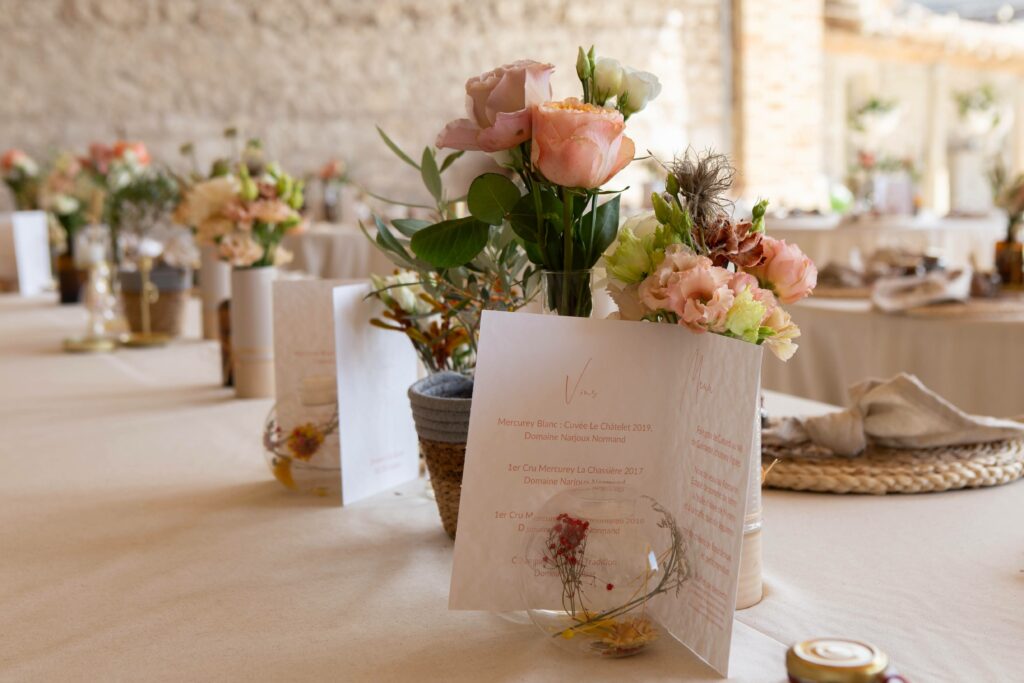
<point>887,470</point>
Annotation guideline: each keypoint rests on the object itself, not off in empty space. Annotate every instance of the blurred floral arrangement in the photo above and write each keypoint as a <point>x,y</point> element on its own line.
<point>334,171</point>
<point>690,263</point>
<point>20,173</point>
<point>979,110</point>
<point>439,308</point>
<point>245,208</point>
<point>1008,195</point>
<point>300,444</point>
<point>115,166</point>
<point>561,153</point>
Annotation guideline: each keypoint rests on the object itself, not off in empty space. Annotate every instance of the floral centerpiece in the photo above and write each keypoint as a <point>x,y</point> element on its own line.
<point>559,154</point>
<point>690,263</point>
<point>1008,193</point>
<point>245,212</point>
<point>333,175</point>
<point>20,173</point>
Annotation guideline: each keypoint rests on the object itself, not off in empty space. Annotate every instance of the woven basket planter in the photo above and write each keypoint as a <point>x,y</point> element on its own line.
<point>440,409</point>
<point>167,313</point>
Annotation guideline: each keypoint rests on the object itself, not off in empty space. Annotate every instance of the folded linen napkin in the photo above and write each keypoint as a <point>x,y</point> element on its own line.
<point>895,294</point>
<point>898,413</point>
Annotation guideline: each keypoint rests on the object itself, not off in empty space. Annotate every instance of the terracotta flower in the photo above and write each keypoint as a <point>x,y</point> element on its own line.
<point>737,243</point>
<point>579,145</point>
<point>499,105</point>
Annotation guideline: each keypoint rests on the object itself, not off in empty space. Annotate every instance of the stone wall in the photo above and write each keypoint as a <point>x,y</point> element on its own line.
<point>313,77</point>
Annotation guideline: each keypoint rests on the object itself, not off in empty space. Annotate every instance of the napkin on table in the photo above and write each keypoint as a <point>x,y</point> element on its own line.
<point>898,413</point>
<point>895,294</point>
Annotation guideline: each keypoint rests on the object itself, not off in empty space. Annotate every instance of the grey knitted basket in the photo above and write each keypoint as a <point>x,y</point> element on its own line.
<point>440,409</point>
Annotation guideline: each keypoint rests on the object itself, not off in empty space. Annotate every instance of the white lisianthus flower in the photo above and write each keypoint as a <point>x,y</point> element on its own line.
<point>240,250</point>
<point>208,198</point>
<point>635,252</point>
<point>608,74</point>
<point>64,204</point>
<point>638,89</point>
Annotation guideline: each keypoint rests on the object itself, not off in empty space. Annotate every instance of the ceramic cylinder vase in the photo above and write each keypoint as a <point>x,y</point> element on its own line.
<point>252,331</point>
<point>214,288</point>
<point>751,585</point>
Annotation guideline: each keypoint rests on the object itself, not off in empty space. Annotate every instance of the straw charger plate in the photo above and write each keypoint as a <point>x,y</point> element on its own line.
<point>888,470</point>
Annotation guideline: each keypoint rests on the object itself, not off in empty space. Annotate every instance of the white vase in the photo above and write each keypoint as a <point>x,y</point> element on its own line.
<point>751,585</point>
<point>252,331</point>
<point>214,288</point>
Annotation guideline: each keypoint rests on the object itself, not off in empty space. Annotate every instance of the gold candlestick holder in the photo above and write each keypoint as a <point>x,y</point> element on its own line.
<point>148,296</point>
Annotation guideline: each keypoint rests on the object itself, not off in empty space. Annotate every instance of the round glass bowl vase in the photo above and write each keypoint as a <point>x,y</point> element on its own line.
<point>296,456</point>
<point>595,563</point>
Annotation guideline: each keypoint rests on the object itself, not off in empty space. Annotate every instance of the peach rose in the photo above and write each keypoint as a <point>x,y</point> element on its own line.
<point>786,271</point>
<point>579,145</point>
<point>136,150</point>
<point>499,104</point>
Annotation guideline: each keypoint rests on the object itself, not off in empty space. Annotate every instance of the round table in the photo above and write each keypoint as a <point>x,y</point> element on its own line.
<point>958,240</point>
<point>144,539</point>
<point>973,361</point>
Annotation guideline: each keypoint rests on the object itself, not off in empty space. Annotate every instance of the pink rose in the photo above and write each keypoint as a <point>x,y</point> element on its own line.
<point>786,271</point>
<point>12,158</point>
<point>579,145</point>
<point>499,104</point>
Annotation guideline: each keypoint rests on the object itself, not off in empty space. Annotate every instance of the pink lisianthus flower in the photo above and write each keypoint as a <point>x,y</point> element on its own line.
<point>579,145</point>
<point>786,270</point>
<point>499,105</point>
<point>784,332</point>
<point>691,287</point>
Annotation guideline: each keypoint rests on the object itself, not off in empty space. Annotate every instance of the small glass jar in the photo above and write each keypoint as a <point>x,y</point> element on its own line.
<point>838,660</point>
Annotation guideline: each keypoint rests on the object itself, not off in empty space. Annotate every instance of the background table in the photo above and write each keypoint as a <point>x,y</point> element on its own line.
<point>974,362</point>
<point>142,538</point>
<point>957,240</point>
<point>335,252</point>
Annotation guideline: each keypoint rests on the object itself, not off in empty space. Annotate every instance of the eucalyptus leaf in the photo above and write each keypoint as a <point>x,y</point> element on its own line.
<point>409,226</point>
<point>396,149</point>
<point>430,173</point>
<point>451,243</point>
<point>451,159</point>
<point>491,197</point>
<point>389,241</point>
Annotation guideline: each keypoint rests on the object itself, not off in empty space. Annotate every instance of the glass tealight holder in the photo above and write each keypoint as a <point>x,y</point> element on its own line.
<point>595,562</point>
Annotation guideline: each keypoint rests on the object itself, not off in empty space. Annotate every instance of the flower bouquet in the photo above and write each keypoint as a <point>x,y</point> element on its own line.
<point>558,154</point>
<point>439,310</point>
<point>246,212</point>
<point>1009,196</point>
<point>690,263</point>
<point>20,173</point>
<point>333,176</point>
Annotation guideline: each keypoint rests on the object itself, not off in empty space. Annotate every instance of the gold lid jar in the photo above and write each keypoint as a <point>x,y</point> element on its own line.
<point>837,660</point>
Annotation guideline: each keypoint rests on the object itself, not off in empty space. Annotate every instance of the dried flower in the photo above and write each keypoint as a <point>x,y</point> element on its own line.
<point>728,242</point>
<point>701,180</point>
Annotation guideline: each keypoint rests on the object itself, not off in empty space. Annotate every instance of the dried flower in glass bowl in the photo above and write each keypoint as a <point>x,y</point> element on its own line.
<point>291,455</point>
<point>596,561</point>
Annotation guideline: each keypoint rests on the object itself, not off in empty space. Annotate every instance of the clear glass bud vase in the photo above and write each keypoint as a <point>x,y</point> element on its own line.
<point>568,293</point>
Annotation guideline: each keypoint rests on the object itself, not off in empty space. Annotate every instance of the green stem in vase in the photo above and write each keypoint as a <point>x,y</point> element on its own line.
<point>567,256</point>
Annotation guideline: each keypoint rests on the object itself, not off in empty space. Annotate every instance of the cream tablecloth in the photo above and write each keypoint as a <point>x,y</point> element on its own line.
<point>975,362</point>
<point>142,539</point>
<point>335,252</point>
<point>957,240</point>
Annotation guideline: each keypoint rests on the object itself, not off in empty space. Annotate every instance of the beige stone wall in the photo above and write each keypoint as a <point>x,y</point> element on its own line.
<point>312,77</point>
<point>779,113</point>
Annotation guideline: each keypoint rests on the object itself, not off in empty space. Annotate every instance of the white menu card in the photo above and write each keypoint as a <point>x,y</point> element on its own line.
<point>305,379</point>
<point>375,368</point>
<point>25,251</point>
<point>564,402</point>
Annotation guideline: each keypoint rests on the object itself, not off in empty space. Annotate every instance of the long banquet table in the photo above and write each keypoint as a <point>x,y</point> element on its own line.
<point>142,538</point>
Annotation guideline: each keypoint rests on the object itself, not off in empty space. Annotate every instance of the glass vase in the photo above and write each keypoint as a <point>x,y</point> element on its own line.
<point>568,293</point>
<point>594,563</point>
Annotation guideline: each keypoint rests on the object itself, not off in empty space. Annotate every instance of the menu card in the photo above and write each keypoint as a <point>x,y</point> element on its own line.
<point>375,368</point>
<point>564,402</point>
<point>305,379</point>
<point>25,251</point>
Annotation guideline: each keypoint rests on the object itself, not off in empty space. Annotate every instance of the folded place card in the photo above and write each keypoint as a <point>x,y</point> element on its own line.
<point>562,403</point>
<point>375,368</point>
<point>25,251</point>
